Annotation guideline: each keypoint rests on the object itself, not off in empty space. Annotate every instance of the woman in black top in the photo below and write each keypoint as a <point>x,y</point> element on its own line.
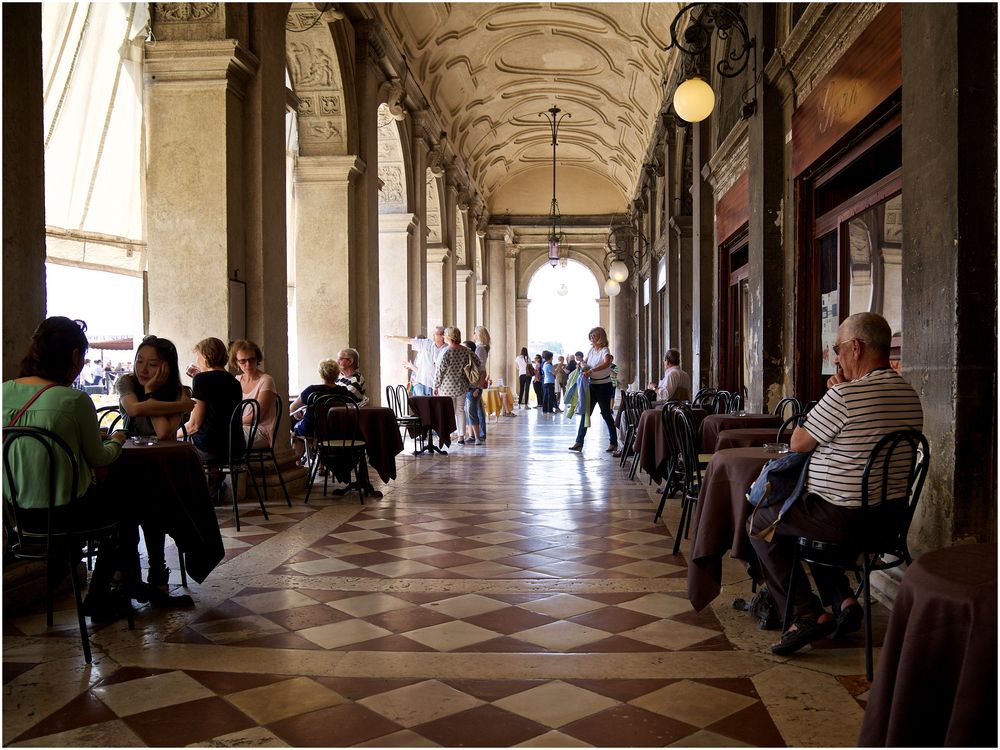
<point>216,394</point>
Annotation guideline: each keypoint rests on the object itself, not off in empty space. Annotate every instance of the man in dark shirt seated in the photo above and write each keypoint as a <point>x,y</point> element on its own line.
<point>867,400</point>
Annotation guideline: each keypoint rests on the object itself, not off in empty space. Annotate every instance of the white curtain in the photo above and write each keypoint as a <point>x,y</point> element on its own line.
<point>92,68</point>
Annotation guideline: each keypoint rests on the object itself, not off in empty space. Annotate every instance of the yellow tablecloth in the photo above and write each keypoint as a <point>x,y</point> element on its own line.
<point>497,401</point>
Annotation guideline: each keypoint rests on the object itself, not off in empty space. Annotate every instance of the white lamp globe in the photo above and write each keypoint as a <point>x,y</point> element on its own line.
<point>618,271</point>
<point>694,100</point>
<point>612,287</point>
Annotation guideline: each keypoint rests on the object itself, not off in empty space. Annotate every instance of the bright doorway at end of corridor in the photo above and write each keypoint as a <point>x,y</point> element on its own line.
<point>562,308</point>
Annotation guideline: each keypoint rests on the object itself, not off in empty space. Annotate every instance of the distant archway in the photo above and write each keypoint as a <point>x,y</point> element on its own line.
<point>562,308</point>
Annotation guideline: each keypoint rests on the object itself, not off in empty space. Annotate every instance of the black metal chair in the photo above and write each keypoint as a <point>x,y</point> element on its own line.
<point>628,414</point>
<point>785,404</point>
<point>796,420</point>
<point>111,418</point>
<point>338,441</point>
<point>238,459</point>
<point>900,459</point>
<point>735,403</point>
<point>399,401</point>
<point>673,477</point>
<point>60,548</point>
<point>267,452</point>
<point>705,399</point>
<point>690,466</point>
<point>640,402</point>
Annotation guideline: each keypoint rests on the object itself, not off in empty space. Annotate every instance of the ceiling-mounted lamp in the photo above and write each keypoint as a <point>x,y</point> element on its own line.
<point>626,244</point>
<point>555,231</point>
<point>694,98</point>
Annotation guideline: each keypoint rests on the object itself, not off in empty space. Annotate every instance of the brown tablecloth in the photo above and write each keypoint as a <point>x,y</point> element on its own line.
<point>713,424</point>
<point>383,442</point>
<point>936,683</point>
<point>168,484</point>
<point>651,440</point>
<point>436,413</point>
<point>747,437</point>
<point>720,520</point>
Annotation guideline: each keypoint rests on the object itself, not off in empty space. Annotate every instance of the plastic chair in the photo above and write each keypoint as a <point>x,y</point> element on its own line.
<point>262,454</point>
<point>60,548</point>
<point>238,457</point>
<point>338,436</point>
<point>903,456</point>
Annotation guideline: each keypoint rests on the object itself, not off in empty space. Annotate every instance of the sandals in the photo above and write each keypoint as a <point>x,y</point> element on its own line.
<point>849,620</point>
<point>807,630</point>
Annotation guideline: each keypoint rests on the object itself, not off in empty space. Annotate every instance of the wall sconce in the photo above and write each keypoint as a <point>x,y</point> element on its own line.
<point>555,231</point>
<point>694,98</point>
<point>625,244</point>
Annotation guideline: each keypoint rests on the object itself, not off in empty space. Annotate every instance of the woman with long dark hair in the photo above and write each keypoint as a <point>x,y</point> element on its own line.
<point>524,373</point>
<point>42,396</point>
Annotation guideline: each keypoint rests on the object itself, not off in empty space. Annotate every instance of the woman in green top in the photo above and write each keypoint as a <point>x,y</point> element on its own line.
<point>53,362</point>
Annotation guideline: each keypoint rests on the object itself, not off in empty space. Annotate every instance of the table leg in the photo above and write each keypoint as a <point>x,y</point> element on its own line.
<point>429,446</point>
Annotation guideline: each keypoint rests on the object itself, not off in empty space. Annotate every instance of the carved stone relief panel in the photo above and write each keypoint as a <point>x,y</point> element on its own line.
<point>433,209</point>
<point>188,21</point>
<point>392,196</point>
<point>459,239</point>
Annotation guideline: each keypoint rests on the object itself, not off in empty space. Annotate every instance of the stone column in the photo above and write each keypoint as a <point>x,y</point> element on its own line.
<point>464,312</point>
<point>655,318</point>
<point>394,242</point>
<point>621,316</point>
<point>496,270</point>
<point>195,183</point>
<point>482,304</point>
<point>504,365</point>
<point>766,266</point>
<point>949,345</point>
<point>323,198</point>
<point>436,316</point>
<point>688,301</point>
<point>700,303</point>
<point>450,262</point>
<point>671,321</point>
<point>418,248</point>
<point>520,325</point>
<point>23,181</point>
<point>363,291</point>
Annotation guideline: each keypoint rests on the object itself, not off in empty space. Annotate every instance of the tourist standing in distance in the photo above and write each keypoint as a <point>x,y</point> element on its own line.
<point>536,380</point>
<point>429,351</point>
<point>560,370</point>
<point>548,383</point>
<point>597,367</point>
<point>524,373</point>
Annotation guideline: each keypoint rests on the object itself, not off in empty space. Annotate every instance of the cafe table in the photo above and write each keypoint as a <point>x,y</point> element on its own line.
<point>936,682</point>
<point>748,437</point>
<point>437,414</point>
<point>651,440</point>
<point>713,424</point>
<point>497,401</point>
<point>720,520</point>
<point>378,428</point>
<point>166,482</point>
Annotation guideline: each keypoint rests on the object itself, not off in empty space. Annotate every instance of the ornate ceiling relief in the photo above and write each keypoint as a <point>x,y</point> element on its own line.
<point>490,69</point>
<point>392,195</point>
<point>315,74</point>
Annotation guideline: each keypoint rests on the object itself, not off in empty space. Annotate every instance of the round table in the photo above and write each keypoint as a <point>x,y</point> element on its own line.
<point>936,684</point>
<point>498,400</point>
<point>747,437</point>
<point>713,424</point>
<point>436,413</point>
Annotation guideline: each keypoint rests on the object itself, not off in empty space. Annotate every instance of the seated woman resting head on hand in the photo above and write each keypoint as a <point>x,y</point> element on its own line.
<point>155,402</point>
<point>247,357</point>
<point>152,396</point>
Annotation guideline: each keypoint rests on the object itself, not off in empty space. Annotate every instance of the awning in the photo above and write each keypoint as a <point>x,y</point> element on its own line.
<point>120,344</point>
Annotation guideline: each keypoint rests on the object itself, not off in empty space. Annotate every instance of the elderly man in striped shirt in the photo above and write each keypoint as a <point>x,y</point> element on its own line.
<point>867,400</point>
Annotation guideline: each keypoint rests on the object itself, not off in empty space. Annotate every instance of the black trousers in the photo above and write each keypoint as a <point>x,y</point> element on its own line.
<point>548,397</point>
<point>524,383</point>
<point>537,386</point>
<point>815,518</point>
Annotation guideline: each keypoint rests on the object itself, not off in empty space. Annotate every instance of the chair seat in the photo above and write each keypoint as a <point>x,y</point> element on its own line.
<point>704,458</point>
<point>341,444</point>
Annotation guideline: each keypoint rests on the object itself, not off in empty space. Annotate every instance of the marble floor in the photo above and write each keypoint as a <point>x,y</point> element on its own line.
<point>510,594</point>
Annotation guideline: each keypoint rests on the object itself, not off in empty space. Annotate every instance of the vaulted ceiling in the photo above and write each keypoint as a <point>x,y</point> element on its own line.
<point>490,69</point>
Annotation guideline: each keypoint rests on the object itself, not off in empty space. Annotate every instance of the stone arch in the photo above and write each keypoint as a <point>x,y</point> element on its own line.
<point>539,258</point>
<point>315,65</point>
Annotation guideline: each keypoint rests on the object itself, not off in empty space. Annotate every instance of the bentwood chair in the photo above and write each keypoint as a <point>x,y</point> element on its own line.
<point>111,418</point>
<point>894,473</point>
<point>58,545</point>
<point>267,453</point>
<point>690,465</point>
<point>788,405</point>
<point>640,402</point>
<point>339,442</point>
<point>238,458</point>
<point>735,403</point>
<point>399,401</point>
<point>788,426</point>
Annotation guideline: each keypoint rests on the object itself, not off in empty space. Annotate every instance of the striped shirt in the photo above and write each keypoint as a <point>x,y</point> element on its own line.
<point>847,423</point>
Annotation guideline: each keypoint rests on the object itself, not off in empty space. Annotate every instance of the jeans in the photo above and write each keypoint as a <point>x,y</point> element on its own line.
<point>601,395</point>
<point>419,389</point>
<point>548,398</point>
<point>524,382</point>
<point>473,410</point>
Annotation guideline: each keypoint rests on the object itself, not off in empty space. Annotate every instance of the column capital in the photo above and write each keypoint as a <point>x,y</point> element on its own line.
<point>401,222</point>
<point>437,254</point>
<point>328,168</point>
<point>463,274</point>
<point>206,63</point>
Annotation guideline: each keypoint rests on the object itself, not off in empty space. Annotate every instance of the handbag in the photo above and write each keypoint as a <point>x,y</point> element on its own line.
<point>472,373</point>
<point>782,480</point>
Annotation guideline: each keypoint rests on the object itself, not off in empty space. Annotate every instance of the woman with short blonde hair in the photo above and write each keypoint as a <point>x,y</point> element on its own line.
<point>450,379</point>
<point>597,367</point>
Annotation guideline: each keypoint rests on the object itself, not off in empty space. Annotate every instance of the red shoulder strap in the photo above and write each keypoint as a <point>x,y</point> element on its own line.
<point>16,417</point>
